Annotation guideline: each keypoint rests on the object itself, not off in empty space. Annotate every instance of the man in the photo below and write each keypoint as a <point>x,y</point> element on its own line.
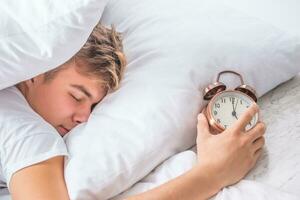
<point>33,112</point>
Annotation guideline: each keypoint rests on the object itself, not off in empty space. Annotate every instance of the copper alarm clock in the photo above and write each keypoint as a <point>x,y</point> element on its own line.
<point>226,105</point>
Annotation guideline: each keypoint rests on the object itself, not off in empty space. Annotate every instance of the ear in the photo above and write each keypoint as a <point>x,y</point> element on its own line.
<point>33,81</point>
<point>29,83</point>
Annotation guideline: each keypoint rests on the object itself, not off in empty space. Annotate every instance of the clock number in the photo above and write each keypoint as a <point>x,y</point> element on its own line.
<point>217,105</point>
<point>231,99</point>
<point>219,121</point>
<point>223,100</point>
<point>225,126</point>
<point>241,102</point>
<point>215,112</point>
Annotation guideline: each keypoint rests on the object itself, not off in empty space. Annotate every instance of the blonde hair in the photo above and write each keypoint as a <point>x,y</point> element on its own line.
<point>102,56</point>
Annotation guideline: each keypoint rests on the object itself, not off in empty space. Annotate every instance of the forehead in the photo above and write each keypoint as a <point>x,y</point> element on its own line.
<point>78,69</point>
<point>73,76</point>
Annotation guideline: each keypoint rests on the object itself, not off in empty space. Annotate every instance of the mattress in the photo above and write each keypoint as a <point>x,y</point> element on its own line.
<point>278,167</point>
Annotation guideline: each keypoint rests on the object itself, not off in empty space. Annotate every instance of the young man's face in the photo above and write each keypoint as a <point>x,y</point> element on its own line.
<point>66,100</point>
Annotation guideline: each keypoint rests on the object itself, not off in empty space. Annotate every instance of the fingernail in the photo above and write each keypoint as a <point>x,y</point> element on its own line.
<point>255,106</point>
<point>200,116</point>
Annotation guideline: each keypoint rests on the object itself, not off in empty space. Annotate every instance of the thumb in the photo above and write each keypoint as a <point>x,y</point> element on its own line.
<point>202,126</point>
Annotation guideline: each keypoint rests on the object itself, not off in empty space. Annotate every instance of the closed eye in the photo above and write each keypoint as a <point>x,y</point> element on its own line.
<point>76,99</point>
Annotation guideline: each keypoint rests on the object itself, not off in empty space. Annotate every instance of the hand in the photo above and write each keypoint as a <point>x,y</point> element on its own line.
<point>232,153</point>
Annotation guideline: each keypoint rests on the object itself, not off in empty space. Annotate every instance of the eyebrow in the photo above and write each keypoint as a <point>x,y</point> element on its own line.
<point>82,89</point>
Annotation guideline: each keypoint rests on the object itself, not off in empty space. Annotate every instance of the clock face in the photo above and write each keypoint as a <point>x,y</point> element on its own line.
<point>227,107</point>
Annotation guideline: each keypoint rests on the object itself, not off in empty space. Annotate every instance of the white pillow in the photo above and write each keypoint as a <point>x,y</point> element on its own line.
<point>39,35</point>
<point>283,14</point>
<point>174,48</point>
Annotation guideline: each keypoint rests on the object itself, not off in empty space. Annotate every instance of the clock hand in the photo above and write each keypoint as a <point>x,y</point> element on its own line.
<point>234,111</point>
<point>235,115</point>
<point>235,106</point>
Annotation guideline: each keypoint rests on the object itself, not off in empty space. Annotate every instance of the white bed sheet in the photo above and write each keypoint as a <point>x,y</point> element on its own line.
<point>277,173</point>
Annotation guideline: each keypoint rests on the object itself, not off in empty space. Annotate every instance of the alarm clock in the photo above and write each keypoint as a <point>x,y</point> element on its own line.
<point>225,106</point>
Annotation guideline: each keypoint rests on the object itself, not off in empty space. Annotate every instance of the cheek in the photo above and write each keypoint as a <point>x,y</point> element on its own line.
<point>54,106</point>
<point>64,105</point>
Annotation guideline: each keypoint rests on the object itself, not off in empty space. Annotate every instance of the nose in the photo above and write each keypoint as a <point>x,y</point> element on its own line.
<point>82,114</point>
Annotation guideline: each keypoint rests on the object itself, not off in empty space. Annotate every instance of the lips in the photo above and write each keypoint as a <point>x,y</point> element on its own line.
<point>63,130</point>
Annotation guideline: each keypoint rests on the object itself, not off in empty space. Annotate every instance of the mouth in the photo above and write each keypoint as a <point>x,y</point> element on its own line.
<point>62,130</point>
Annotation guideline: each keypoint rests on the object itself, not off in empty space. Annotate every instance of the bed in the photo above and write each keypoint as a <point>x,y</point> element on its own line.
<point>279,165</point>
<point>172,56</point>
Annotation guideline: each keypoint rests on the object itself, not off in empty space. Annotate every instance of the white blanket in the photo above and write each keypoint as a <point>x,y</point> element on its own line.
<point>277,173</point>
<point>182,162</point>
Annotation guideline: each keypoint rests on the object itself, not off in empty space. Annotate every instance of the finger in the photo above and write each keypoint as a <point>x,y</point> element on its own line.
<point>203,111</point>
<point>202,126</point>
<point>246,117</point>
<point>258,144</point>
<point>256,155</point>
<point>257,131</point>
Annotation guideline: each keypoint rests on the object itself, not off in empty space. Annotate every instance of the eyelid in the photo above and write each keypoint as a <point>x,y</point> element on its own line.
<point>77,99</point>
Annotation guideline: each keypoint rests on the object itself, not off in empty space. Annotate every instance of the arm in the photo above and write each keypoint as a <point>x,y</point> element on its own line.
<point>44,180</point>
<point>224,159</point>
<point>197,184</point>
